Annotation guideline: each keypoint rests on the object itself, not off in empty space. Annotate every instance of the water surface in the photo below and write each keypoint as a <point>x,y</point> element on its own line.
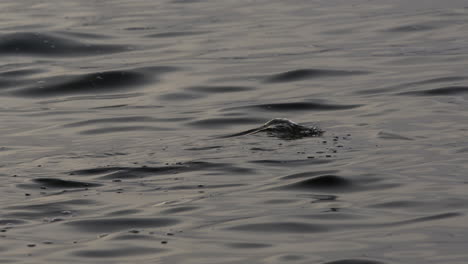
<point>115,115</point>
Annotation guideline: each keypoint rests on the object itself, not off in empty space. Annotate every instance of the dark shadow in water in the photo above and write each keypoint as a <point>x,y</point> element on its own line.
<point>308,174</point>
<point>219,89</point>
<point>98,82</point>
<point>186,1</point>
<point>247,245</point>
<point>180,96</point>
<point>298,162</point>
<point>388,135</point>
<point>55,205</point>
<point>136,237</point>
<point>195,187</point>
<point>40,44</point>
<point>124,212</point>
<point>102,225</point>
<point>443,91</point>
<point>329,225</point>
<point>117,252</point>
<point>174,34</point>
<point>11,82</point>
<point>322,182</point>
<point>410,28</point>
<point>64,184</point>
<point>354,261</point>
<point>296,106</point>
<point>142,172</point>
<point>325,182</point>
<point>304,74</point>
<point>281,227</point>
<point>179,210</point>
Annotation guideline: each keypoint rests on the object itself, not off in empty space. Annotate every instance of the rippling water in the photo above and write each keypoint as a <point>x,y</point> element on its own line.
<point>115,116</point>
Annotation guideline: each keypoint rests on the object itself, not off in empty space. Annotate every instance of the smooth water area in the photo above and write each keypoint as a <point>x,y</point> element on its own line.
<point>117,119</point>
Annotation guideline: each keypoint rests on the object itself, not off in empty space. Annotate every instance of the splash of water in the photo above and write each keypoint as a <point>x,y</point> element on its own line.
<point>284,129</point>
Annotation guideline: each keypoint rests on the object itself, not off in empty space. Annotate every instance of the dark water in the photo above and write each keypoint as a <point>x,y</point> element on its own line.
<point>115,115</point>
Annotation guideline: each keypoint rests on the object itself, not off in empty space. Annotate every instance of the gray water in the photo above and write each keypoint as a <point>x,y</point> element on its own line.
<point>116,115</point>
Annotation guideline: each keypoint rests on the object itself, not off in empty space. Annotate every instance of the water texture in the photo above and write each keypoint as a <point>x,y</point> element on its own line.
<point>133,131</point>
